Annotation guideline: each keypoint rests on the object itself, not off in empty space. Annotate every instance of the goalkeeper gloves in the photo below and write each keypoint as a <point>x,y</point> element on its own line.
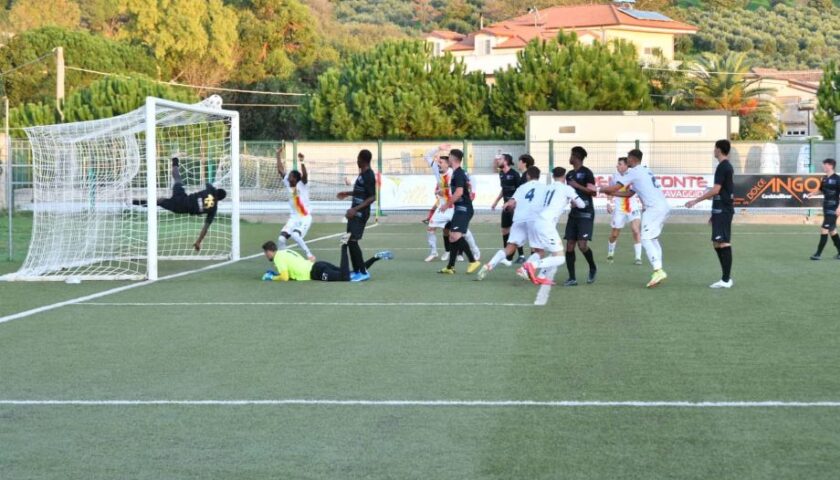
<point>269,275</point>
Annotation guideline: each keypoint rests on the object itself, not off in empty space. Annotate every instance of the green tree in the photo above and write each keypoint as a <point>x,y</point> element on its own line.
<point>195,39</point>
<point>36,83</point>
<point>102,99</point>
<point>280,38</point>
<point>399,90</point>
<point>828,97</point>
<point>268,123</point>
<point>562,74</point>
<point>102,16</point>
<point>723,83</point>
<point>30,14</point>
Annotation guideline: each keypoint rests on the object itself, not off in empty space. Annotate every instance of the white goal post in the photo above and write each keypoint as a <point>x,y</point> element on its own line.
<point>96,186</point>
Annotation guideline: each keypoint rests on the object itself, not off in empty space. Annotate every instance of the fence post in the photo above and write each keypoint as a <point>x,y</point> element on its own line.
<point>550,159</point>
<point>465,148</point>
<point>378,178</point>
<point>811,154</point>
<point>294,154</point>
<point>638,144</point>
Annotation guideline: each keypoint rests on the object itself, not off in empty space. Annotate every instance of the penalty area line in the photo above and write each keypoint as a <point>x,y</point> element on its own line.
<point>105,293</point>
<point>308,304</point>
<point>430,403</point>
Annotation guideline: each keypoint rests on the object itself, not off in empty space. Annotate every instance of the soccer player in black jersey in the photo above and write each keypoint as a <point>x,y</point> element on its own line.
<point>581,221</point>
<point>461,200</point>
<point>509,180</point>
<point>722,195</point>
<point>204,202</point>
<point>363,194</point>
<point>830,188</point>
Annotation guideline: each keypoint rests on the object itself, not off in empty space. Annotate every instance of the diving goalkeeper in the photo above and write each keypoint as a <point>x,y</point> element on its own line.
<point>204,202</point>
<point>291,265</point>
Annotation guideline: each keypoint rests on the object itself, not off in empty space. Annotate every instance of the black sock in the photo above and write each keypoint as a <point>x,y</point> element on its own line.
<point>836,239</point>
<point>504,244</point>
<point>821,245</point>
<point>725,254</point>
<point>370,261</point>
<point>446,245</point>
<point>356,257</point>
<point>345,263</point>
<point>465,247</point>
<point>590,259</point>
<point>570,264</point>
<point>521,251</point>
<point>455,250</point>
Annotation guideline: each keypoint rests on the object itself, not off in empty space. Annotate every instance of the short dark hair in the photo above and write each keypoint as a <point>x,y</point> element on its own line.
<point>269,246</point>
<point>365,156</point>
<point>296,175</point>
<point>579,153</point>
<point>221,194</point>
<point>622,160</point>
<point>508,159</point>
<point>635,153</point>
<point>533,173</point>
<point>724,146</point>
<point>528,160</point>
<point>831,162</point>
<point>456,153</point>
<point>558,172</point>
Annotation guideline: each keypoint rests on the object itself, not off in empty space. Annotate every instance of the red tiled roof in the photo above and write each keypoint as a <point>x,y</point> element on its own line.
<point>800,76</point>
<point>447,35</point>
<point>582,16</point>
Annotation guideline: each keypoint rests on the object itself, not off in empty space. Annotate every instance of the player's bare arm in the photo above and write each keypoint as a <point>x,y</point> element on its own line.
<point>709,194</point>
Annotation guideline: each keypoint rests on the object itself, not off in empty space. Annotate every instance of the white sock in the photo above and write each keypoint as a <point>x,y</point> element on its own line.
<point>552,261</point>
<point>534,259</point>
<point>473,246</point>
<point>654,253</point>
<point>281,242</point>
<point>611,248</point>
<point>432,239</point>
<point>637,247</point>
<point>498,257</point>
<point>299,240</point>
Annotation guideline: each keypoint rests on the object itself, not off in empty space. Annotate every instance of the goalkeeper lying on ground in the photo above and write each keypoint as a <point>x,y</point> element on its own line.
<point>290,265</point>
<point>205,202</point>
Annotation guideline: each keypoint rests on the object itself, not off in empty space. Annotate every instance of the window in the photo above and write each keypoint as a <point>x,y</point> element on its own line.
<point>653,51</point>
<point>688,129</point>
<point>488,46</point>
<point>568,129</point>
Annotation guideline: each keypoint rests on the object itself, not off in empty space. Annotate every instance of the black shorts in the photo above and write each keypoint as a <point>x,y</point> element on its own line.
<point>327,272</point>
<point>507,218</point>
<point>829,222</point>
<point>356,227</point>
<point>579,229</point>
<point>722,227</point>
<point>179,202</point>
<point>461,221</point>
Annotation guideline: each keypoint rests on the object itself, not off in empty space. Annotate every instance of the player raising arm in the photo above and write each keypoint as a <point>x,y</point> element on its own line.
<point>300,210</point>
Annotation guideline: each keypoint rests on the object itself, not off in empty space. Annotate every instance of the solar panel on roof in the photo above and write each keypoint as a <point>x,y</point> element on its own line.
<point>643,15</point>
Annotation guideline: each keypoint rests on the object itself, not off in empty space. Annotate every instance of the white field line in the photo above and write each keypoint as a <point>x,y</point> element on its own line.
<point>430,403</point>
<point>545,290</point>
<point>342,304</point>
<point>94,296</point>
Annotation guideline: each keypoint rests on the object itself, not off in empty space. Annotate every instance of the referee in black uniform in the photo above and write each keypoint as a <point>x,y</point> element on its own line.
<point>830,188</point>
<point>722,212</point>
<point>364,194</point>
<point>509,180</point>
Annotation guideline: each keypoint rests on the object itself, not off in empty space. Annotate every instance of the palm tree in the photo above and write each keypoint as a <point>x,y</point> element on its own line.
<point>725,83</point>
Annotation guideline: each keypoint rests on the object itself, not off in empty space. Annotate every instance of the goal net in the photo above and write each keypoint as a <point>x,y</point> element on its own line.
<point>96,185</point>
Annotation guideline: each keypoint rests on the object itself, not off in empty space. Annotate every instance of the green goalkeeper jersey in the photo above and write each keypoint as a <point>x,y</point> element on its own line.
<point>291,266</point>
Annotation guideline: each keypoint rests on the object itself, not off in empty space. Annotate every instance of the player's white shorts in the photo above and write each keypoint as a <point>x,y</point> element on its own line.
<point>544,236</point>
<point>652,222</point>
<point>440,219</point>
<point>297,224</point>
<point>620,219</point>
<point>519,233</point>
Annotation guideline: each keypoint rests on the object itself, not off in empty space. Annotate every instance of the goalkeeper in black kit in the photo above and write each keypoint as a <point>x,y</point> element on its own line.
<point>204,202</point>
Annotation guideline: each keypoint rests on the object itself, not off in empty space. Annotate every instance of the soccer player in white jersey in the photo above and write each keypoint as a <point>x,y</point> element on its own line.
<point>300,209</point>
<point>543,234</point>
<point>624,210</point>
<point>525,203</point>
<point>641,181</point>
